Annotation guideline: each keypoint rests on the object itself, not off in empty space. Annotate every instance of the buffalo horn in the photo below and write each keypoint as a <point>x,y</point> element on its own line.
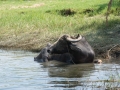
<point>74,40</point>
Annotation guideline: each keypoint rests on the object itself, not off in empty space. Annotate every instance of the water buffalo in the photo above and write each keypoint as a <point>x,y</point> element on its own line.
<point>78,47</point>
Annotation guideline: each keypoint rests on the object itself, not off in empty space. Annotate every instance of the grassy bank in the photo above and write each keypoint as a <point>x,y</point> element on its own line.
<point>30,25</point>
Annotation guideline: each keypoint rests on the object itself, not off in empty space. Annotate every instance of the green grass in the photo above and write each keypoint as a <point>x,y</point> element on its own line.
<point>31,24</point>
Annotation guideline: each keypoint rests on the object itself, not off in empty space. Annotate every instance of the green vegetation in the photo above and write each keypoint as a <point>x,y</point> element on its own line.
<point>30,24</point>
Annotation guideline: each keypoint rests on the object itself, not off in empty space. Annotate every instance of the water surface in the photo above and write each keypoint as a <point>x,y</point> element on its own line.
<point>19,71</point>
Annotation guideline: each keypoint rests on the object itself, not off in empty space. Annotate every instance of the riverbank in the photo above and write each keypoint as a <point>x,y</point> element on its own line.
<point>30,25</point>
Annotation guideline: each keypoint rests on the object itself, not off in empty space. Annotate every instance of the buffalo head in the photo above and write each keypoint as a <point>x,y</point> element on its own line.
<point>43,55</point>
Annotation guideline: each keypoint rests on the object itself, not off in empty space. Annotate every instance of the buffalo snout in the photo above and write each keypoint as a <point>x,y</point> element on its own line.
<point>40,59</point>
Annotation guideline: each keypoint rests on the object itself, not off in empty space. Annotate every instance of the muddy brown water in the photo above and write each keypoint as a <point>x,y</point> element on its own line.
<point>19,71</point>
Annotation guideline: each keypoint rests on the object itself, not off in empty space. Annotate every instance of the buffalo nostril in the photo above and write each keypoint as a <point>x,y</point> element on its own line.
<point>48,51</point>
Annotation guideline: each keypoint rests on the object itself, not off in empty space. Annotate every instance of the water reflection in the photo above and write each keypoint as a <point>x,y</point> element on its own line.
<point>71,71</point>
<point>70,76</point>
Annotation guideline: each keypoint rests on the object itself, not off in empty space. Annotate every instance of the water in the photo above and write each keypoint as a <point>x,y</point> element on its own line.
<point>19,71</point>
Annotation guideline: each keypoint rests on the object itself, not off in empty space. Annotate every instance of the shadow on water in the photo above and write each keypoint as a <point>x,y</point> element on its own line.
<point>67,76</point>
<point>71,71</point>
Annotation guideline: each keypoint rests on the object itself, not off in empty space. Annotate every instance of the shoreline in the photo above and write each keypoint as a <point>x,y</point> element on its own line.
<point>100,52</point>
